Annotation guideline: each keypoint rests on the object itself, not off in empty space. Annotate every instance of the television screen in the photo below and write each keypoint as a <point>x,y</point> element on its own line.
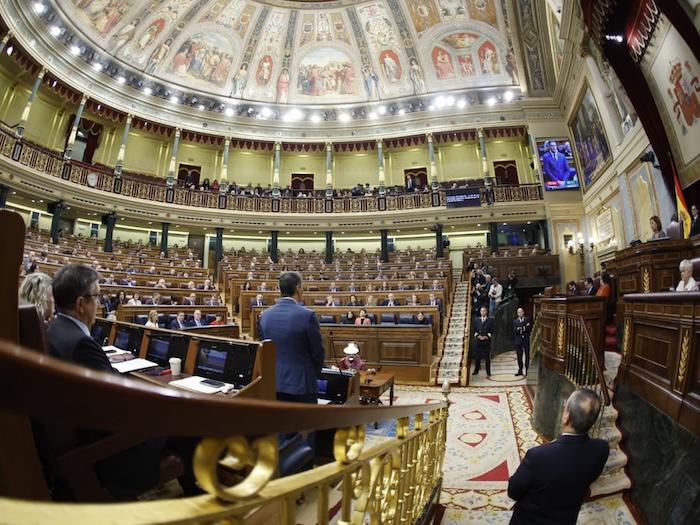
<point>159,350</point>
<point>463,197</point>
<point>100,331</point>
<point>230,362</point>
<point>129,339</point>
<point>558,165</point>
<point>211,361</point>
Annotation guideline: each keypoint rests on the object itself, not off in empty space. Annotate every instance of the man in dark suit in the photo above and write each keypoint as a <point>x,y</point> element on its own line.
<point>390,301</point>
<point>695,225</point>
<point>521,336</point>
<point>258,301</point>
<point>197,319</point>
<point>434,301</point>
<point>553,479</point>
<point>483,331</point>
<point>297,336</point>
<point>179,322</point>
<point>554,165</point>
<point>590,288</point>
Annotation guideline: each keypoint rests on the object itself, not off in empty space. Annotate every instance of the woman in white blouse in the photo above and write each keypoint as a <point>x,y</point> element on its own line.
<point>152,319</point>
<point>135,300</point>
<point>687,283</point>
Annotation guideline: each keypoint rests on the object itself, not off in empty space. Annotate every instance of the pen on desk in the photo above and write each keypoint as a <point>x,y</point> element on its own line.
<point>164,372</point>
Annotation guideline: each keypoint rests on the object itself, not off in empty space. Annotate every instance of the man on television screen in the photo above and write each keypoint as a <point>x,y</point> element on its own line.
<point>555,166</point>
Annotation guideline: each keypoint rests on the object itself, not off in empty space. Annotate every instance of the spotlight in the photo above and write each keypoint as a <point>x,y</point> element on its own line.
<point>10,49</point>
<point>228,112</point>
<point>174,99</point>
<point>402,112</point>
<point>201,107</point>
<point>450,101</point>
<point>440,102</point>
<point>615,38</point>
<point>491,101</point>
<point>75,50</point>
<point>55,31</point>
<point>381,110</point>
<point>292,115</point>
<point>97,66</point>
<point>39,7</point>
<point>372,115</point>
<point>121,80</point>
<point>344,117</point>
<point>315,118</point>
<point>147,90</point>
<point>266,112</point>
<point>508,96</point>
<point>462,103</point>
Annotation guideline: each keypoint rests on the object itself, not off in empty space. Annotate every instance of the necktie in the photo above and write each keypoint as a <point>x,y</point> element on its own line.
<point>483,319</point>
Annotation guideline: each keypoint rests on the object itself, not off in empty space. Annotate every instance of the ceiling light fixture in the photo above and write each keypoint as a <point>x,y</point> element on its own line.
<point>55,31</point>
<point>344,117</point>
<point>147,90</point>
<point>75,50</point>
<point>462,103</point>
<point>508,96</point>
<point>315,118</point>
<point>201,107</point>
<point>265,112</point>
<point>491,101</point>
<point>372,115</point>
<point>450,101</point>
<point>440,102</point>
<point>174,99</point>
<point>381,110</point>
<point>121,80</point>
<point>39,8</point>
<point>293,115</point>
<point>402,112</point>
<point>97,66</point>
<point>228,112</point>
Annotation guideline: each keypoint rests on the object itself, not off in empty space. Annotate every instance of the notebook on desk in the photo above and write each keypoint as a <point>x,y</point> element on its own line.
<point>195,384</point>
<point>133,365</point>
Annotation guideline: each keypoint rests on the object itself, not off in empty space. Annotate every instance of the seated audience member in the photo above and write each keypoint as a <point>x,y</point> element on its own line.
<point>348,318</point>
<point>371,301</point>
<point>207,285</point>
<point>258,301</point>
<point>119,299</point>
<point>390,301</point>
<point>218,321</point>
<point>687,283</point>
<point>106,302</point>
<point>413,301</point>
<point>197,319</point>
<point>36,289</point>
<point>330,301</point>
<point>352,360</point>
<point>214,300</point>
<point>571,288</point>
<point>354,301</point>
<point>657,231</point>
<point>333,288</point>
<point>510,284</point>
<point>155,299</point>
<point>135,300</point>
<point>434,301</point>
<point>190,285</point>
<point>362,319</point>
<point>436,285</point>
<point>421,318</point>
<point>137,469</point>
<point>352,287</point>
<point>605,289</point>
<point>152,319</point>
<point>190,300</point>
<point>247,286</point>
<point>110,279</point>
<point>179,322</point>
<point>553,479</point>
<point>262,287</point>
<point>590,288</point>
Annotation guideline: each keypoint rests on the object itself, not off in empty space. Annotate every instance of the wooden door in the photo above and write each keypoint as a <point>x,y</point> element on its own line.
<point>506,172</point>
<point>302,183</point>
<point>418,175</point>
<point>195,172</point>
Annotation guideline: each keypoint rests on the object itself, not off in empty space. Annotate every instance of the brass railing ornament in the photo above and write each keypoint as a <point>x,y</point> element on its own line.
<point>348,443</point>
<point>261,458</point>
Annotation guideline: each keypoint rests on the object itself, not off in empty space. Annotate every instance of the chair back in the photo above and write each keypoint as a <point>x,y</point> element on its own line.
<point>32,331</point>
<point>326,319</point>
<point>388,319</point>
<point>406,319</point>
<point>675,230</point>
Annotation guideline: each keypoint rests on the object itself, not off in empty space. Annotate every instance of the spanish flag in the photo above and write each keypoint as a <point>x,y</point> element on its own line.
<point>683,213</point>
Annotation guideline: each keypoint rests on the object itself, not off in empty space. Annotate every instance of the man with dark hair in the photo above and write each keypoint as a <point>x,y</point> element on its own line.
<point>297,336</point>
<point>590,287</point>
<point>76,293</point>
<point>553,479</point>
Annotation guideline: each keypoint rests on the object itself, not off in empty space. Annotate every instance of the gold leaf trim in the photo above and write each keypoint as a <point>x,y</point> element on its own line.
<point>685,352</point>
<point>646,281</point>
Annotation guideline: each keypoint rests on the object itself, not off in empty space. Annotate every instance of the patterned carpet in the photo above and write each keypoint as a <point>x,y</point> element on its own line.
<point>488,433</point>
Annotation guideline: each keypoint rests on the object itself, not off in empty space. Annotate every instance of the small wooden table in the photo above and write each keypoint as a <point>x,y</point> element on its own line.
<point>373,386</point>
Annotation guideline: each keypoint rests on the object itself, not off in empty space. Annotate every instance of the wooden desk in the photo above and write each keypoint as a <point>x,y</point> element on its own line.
<point>374,385</point>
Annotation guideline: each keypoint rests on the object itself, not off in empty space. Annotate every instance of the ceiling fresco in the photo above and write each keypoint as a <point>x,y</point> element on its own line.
<point>313,53</point>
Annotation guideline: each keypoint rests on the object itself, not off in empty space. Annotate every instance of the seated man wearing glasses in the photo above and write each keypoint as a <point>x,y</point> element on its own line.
<point>76,292</point>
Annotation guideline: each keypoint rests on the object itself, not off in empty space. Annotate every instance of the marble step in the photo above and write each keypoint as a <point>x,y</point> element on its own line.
<point>616,461</point>
<point>611,434</point>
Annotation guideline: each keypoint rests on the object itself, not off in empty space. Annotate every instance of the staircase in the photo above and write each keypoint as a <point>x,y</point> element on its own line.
<point>453,359</point>
<point>614,479</point>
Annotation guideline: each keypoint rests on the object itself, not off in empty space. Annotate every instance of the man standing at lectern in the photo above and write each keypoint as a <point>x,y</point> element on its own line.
<point>297,336</point>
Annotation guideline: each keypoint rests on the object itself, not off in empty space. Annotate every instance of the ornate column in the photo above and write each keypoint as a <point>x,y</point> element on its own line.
<point>493,236</point>
<point>329,169</point>
<point>219,248</point>
<point>19,131</point>
<point>119,166</point>
<point>4,192</point>
<point>173,157</point>
<point>384,240</point>
<point>276,171</point>
<point>274,252</point>
<point>329,247</point>
<point>434,184</point>
<point>609,112</point>
<point>439,248</point>
<point>5,40</point>
<point>484,157</point>
<point>68,152</point>
<point>223,180</point>
<point>55,209</point>
<point>164,228</point>
<point>380,162</point>
<point>534,155</point>
<point>109,220</point>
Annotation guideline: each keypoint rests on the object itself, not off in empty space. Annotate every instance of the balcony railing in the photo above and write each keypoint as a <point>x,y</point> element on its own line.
<point>139,186</point>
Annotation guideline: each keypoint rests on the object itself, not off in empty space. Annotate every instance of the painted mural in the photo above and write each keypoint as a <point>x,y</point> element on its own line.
<point>326,72</point>
<point>676,74</point>
<point>592,146</point>
<point>205,57</point>
<point>252,50</point>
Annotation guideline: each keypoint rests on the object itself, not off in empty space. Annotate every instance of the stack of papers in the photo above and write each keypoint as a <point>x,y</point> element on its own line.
<point>132,365</point>
<point>194,384</point>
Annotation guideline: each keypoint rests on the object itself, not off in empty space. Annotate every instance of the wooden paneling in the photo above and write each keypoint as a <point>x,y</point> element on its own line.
<point>661,350</point>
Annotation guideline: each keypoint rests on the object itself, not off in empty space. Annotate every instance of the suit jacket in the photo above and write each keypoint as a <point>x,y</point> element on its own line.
<point>68,342</point>
<point>556,168</point>
<point>176,326</point>
<point>553,479</point>
<point>253,302</point>
<point>192,322</point>
<point>521,330</point>
<point>438,303</point>
<point>483,328</point>
<point>296,333</point>
<point>386,302</point>
<point>592,291</point>
<point>695,226</point>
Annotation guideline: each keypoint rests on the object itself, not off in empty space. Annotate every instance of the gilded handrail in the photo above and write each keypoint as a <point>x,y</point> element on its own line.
<point>582,364</point>
<point>391,482</point>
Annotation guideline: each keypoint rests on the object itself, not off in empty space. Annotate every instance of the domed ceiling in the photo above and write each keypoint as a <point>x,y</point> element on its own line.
<point>310,52</point>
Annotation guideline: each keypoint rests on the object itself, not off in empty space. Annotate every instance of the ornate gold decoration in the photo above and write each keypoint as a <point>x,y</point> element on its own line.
<point>646,281</point>
<point>260,457</point>
<point>348,443</point>
<point>685,352</point>
<point>561,337</point>
<point>626,340</point>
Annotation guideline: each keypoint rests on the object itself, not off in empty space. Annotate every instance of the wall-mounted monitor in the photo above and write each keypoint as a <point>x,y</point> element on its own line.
<point>162,347</point>
<point>463,197</point>
<point>100,331</point>
<point>558,165</point>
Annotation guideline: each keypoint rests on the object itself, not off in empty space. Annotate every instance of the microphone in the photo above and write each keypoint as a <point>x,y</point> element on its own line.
<point>335,356</point>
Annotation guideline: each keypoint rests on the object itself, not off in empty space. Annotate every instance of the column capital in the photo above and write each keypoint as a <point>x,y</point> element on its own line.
<point>7,36</point>
<point>429,136</point>
<point>380,142</point>
<point>329,145</point>
<point>227,141</point>
<point>84,99</point>
<point>178,131</point>
<point>41,74</point>
<point>129,118</point>
<point>480,133</point>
